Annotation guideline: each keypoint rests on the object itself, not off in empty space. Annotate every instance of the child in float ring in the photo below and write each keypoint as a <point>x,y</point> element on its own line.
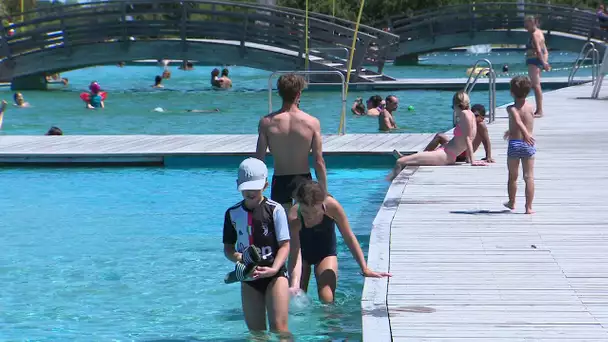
<point>95,97</point>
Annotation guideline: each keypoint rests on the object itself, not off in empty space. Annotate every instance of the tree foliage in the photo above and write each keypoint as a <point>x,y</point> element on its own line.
<point>379,10</point>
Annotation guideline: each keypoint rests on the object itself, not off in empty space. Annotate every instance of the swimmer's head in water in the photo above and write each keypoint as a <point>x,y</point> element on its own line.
<point>290,87</point>
<point>374,101</point>
<point>392,103</point>
<point>18,97</point>
<point>310,196</point>
<point>520,87</point>
<point>95,88</point>
<point>530,22</point>
<point>461,100</point>
<point>215,72</point>
<point>54,131</point>
<point>225,72</point>
<point>158,80</point>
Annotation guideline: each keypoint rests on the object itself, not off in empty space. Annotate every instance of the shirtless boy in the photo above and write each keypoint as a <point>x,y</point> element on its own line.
<point>521,143</point>
<point>290,134</point>
<point>225,81</point>
<point>386,119</point>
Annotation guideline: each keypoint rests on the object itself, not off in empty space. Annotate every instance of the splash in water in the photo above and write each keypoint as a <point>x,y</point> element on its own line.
<point>477,49</point>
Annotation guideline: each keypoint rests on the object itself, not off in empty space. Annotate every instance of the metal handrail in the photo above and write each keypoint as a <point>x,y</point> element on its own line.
<point>309,72</point>
<point>602,70</point>
<point>588,48</point>
<point>468,87</point>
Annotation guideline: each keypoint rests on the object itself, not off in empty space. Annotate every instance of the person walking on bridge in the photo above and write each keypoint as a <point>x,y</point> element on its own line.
<point>537,59</point>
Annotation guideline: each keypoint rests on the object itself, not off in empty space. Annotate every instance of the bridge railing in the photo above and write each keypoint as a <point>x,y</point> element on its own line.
<point>68,26</point>
<point>384,47</point>
<point>496,16</point>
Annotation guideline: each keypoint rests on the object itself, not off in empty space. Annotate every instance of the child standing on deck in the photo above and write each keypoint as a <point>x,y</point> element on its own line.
<point>521,143</point>
<point>257,222</point>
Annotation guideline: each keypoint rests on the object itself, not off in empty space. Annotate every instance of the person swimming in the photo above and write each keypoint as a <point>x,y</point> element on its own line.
<point>95,98</point>
<point>20,101</point>
<point>158,82</point>
<point>215,78</point>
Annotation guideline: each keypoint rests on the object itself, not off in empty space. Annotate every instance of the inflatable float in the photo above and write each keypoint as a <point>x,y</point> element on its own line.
<point>86,97</point>
<point>478,70</point>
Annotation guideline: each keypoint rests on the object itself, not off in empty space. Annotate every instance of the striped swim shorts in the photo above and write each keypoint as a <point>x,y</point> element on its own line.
<point>520,149</point>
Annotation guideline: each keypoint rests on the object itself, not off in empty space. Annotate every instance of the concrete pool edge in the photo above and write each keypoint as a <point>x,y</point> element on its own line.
<point>374,310</point>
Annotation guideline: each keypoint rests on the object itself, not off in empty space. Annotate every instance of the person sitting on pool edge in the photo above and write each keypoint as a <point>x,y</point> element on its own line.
<point>256,221</point>
<point>464,133</point>
<point>312,229</point>
<point>481,138</point>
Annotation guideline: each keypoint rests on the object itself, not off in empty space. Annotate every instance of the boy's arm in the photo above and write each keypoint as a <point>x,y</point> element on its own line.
<point>485,141</point>
<point>317,154</point>
<point>262,145</point>
<point>229,238</point>
<point>281,228</point>
<point>102,105</point>
<point>520,125</point>
<point>393,122</point>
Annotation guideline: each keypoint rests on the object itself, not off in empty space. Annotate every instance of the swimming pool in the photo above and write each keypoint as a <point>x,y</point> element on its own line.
<point>131,100</point>
<point>136,254</point>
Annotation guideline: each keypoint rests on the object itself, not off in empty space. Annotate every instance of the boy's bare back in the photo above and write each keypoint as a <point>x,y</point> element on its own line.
<point>290,136</point>
<point>526,115</point>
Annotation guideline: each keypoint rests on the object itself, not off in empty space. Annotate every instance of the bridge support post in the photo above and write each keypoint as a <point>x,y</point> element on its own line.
<point>411,59</point>
<point>30,82</point>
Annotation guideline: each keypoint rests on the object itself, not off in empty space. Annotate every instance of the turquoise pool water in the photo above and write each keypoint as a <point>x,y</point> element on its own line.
<point>136,255</point>
<point>131,100</point>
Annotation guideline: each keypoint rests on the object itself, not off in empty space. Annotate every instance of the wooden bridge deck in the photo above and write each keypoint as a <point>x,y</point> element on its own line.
<point>154,148</point>
<point>466,269</point>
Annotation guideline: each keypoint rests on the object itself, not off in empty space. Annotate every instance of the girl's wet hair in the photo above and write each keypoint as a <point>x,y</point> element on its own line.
<point>309,193</point>
<point>375,100</point>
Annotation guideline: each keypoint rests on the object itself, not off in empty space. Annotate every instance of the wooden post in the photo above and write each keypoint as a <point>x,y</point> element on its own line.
<point>243,49</point>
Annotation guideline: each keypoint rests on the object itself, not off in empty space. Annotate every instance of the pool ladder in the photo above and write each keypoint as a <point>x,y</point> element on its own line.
<point>601,72</point>
<point>472,81</point>
<point>587,51</point>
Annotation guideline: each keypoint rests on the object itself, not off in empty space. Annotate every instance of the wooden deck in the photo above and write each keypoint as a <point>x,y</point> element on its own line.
<point>466,269</point>
<point>153,149</point>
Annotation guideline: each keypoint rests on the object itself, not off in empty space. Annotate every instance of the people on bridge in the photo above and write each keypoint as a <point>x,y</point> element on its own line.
<point>386,119</point>
<point>481,138</point>
<point>290,134</point>
<point>537,59</point>
<point>2,111</point>
<point>373,106</point>
<point>312,228</point>
<point>158,82</point>
<point>602,16</point>
<point>464,134</point>
<point>20,101</point>
<point>521,142</point>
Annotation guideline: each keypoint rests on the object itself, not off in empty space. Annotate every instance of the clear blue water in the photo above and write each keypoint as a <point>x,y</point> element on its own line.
<point>131,100</point>
<point>136,255</point>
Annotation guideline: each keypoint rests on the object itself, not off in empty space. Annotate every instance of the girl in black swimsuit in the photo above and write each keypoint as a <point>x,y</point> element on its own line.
<point>312,223</point>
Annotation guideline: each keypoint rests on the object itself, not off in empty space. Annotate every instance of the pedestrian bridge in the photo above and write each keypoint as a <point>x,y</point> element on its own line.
<point>566,28</point>
<point>68,37</point>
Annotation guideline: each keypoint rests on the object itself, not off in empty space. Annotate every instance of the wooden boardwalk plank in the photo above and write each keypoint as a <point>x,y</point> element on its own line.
<point>466,269</point>
<point>15,148</point>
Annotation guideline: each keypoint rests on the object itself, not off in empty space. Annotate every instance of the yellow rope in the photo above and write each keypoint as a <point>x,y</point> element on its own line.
<point>306,38</point>
<point>350,65</point>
